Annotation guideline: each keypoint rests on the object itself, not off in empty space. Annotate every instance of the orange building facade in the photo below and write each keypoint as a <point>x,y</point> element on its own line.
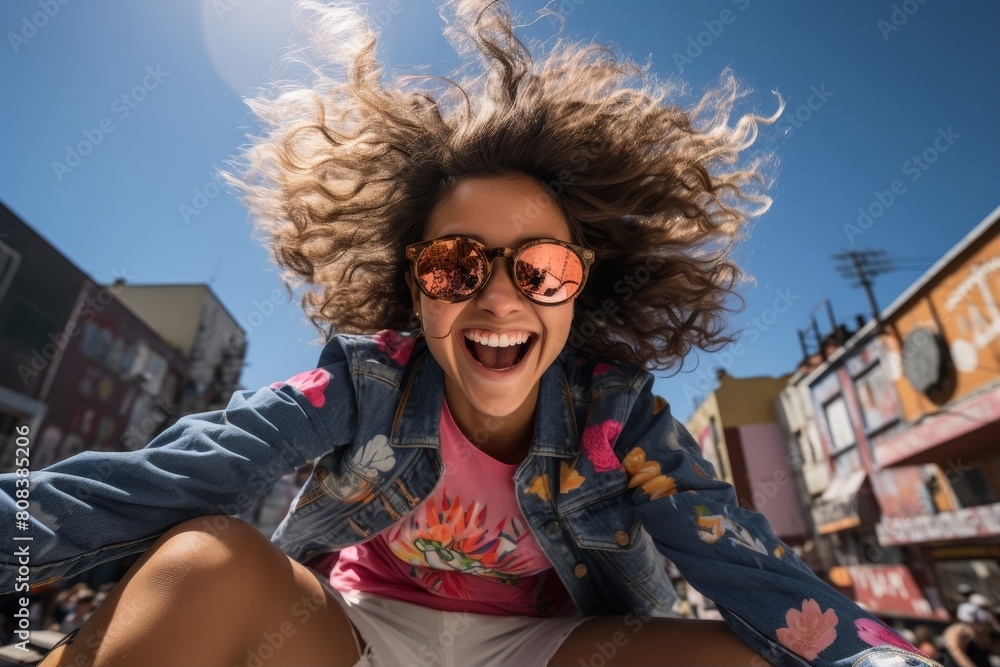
<point>908,411</point>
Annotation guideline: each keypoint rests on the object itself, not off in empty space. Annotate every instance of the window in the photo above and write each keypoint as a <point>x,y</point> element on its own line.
<point>27,325</point>
<point>839,423</point>
<point>846,462</point>
<point>877,399</point>
<point>9,261</point>
<point>971,485</point>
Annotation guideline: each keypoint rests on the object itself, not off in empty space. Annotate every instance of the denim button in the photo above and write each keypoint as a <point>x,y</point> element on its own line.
<point>553,529</point>
<point>580,570</point>
<point>621,538</point>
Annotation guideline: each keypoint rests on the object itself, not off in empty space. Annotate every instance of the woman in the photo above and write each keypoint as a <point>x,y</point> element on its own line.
<point>502,260</point>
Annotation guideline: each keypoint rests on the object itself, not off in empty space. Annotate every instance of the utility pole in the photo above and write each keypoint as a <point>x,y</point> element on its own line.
<point>861,267</point>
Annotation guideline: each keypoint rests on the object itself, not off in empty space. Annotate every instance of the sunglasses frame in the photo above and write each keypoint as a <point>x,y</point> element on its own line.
<point>585,255</point>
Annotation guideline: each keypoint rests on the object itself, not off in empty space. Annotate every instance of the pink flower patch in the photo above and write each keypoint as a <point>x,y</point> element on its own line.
<point>399,348</point>
<point>311,384</point>
<point>875,634</point>
<point>810,630</point>
<point>598,444</point>
<point>603,368</point>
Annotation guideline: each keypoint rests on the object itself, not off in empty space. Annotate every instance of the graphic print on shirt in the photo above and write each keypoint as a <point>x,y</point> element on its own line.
<point>448,536</point>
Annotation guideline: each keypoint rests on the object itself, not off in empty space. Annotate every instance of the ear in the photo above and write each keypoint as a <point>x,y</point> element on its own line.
<point>414,292</point>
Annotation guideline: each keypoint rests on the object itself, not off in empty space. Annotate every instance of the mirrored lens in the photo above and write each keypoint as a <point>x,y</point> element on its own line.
<point>451,269</point>
<point>549,273</point>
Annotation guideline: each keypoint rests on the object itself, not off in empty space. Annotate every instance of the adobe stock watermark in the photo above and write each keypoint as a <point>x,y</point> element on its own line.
<point>262,311</point>
<point>898,17</point>
<point>393,8</point>
<point>201,197</point>
<point>31,25</point>
<point>795,119</point>
<point>595,320</point>
<point>432,651</point>
<point>697,44</point>
<point>560,10</point>
<point>223,8</point>
<point>40,359</point>
<point>139,435</point>
<point>121,107</point>
<point>605,651</point>
<point>915,167</point>
<point>705,378</point>
<point>579,160</point>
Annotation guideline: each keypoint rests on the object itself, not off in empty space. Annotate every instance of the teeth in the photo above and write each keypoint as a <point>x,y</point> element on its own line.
<point>484,337</point>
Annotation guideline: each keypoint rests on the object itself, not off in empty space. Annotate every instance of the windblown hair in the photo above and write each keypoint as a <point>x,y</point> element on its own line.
<point>351,166</point>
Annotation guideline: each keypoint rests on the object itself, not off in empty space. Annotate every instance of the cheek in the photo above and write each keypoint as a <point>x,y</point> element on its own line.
<point>558,324</point>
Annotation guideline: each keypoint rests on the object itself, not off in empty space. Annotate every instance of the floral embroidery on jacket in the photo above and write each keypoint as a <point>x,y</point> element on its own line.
<point>540,487</point>
<point>375,457</point>
<point>876,634</point>
<point>810,630</point>
<point>598,443</point>
<point>310,384</point>
<point>646,475</point>
<point>569,478</point>
<point>399,348</point>
<point>603,368</point>
<point>718,526</point>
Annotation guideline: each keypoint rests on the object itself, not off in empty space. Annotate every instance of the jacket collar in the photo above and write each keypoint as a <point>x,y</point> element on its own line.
<point>418,416</point>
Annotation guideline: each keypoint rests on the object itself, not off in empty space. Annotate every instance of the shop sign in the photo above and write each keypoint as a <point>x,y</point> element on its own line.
<point>969,522</point>
<point>939,428</point>
<point>890,590</point>
<point>839,506</point>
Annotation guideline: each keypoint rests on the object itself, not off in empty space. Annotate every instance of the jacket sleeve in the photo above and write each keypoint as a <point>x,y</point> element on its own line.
<point>769,597</point>
<point>98,506</point>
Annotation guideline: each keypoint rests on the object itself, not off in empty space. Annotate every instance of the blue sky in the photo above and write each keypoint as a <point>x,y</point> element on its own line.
<point>885,100</point>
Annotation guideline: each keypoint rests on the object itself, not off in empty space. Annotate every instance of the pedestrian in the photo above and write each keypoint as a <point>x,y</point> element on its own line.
<point>969,641</point>
<point>497,262</point>
<point>926,642</point>
<point>83,604</point>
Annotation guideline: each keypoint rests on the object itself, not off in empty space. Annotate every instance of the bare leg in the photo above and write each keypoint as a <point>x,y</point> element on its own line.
<point>213,591</point>
<point>659,642</point>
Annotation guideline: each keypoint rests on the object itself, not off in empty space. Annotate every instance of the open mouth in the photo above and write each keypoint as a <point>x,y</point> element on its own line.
<point>498,352</point>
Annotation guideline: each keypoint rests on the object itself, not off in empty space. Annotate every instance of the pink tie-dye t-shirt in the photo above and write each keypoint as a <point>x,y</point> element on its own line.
<point>466,547</point>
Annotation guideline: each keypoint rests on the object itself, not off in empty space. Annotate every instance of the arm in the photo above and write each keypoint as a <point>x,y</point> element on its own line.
<point>767,595</point>
<point>97,506</point>
<point>956,637</point>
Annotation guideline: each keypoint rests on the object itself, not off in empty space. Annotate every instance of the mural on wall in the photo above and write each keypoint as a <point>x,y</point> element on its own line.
<point>973,305</point>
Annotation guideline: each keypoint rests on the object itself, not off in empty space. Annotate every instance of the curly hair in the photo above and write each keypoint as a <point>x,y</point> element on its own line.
<point>351,166</point>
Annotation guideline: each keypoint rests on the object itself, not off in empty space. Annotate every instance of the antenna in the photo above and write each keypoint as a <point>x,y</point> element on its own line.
<point>215,271</point>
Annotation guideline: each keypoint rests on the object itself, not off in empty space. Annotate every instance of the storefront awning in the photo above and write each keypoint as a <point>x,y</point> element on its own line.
<point>838,508</point>
<point>891,591</point>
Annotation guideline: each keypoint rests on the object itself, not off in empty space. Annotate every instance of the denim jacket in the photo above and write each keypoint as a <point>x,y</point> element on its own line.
<point>611,483</point>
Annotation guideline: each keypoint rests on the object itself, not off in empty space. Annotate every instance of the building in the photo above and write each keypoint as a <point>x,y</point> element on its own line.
<point>194,322</point>
<point>738,431</point>
<point>908,411</point>
<point>79,369</point>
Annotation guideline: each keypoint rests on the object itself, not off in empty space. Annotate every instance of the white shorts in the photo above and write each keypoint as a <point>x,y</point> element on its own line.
<point>401,634</point>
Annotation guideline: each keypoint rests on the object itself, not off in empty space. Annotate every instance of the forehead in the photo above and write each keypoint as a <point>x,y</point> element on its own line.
<point>498,211</point>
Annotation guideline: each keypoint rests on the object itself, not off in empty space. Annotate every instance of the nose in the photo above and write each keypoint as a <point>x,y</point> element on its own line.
<point>499,296</point>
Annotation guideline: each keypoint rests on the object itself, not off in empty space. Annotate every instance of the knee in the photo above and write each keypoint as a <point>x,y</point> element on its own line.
<point>214,546</point>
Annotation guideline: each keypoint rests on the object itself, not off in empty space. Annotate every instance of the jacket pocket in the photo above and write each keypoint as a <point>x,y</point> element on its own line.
<point>624,552</point>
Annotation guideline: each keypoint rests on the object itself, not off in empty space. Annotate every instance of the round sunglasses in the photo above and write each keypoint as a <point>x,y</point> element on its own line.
<point>451,269</point>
